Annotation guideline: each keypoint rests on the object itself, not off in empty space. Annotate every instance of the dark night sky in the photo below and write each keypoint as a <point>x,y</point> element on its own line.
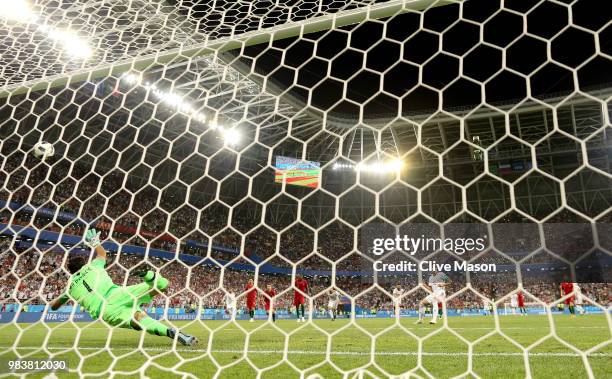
<point>573,47</point>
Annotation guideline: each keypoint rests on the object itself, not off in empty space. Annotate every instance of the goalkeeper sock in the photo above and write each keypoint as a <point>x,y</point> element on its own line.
<point>153,326</point>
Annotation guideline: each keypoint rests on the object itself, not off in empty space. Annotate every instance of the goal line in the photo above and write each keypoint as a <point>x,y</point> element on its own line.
<point>321,352</point>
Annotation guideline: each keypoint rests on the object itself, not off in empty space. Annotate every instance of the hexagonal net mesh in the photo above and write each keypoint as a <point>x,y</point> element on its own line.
<point>219,141</point>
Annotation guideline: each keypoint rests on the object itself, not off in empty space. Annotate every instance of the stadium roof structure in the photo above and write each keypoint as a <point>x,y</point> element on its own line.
<point>236,93</point>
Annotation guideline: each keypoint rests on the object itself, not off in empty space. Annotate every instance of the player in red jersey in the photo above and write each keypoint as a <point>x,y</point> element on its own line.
<point>567,288</point>
<point>521,303</point>
<point>298,298</point>
<point>269,302</point>
<point>251,298</point>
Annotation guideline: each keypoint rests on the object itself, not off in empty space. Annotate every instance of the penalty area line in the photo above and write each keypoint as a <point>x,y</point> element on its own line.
<point>314,352</point>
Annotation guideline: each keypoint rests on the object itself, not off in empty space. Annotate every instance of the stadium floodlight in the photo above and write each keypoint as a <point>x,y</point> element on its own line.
<point>377,167</point>
<point>342,166</point>
<point>130,78</point>
<point>231,136</point>
<point>171,99</point>
<point>17,11</point>
<point>21,12</point>
<point>199,117</point>
<point>70,41</point>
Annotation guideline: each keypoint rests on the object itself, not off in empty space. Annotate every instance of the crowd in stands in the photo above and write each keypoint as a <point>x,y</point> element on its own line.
<point>164,220</point>
<point>155,220</point>
<point>37,277</point>
<point>147,224</point>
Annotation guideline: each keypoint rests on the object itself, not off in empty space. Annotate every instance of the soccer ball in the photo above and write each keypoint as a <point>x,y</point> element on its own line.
<point>43,150</point>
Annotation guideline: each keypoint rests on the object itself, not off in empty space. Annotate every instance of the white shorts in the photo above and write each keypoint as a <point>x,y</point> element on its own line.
<point>435,297</point>
<point>513,304</point>
<point>332,305</point>
<point>578,300</point>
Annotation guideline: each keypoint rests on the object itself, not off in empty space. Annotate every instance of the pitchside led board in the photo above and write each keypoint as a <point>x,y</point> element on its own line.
<point>297,172</point>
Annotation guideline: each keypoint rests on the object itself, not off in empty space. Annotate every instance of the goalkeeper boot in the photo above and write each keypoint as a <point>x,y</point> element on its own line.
<point>184,339</point>
<point>151,277</point>
<point>187,340</point>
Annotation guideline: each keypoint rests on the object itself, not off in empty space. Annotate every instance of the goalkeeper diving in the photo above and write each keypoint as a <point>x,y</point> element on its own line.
<point>92,288</point>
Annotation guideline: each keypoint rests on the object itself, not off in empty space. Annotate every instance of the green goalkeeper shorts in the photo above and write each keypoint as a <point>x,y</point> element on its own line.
<point>123,302</point>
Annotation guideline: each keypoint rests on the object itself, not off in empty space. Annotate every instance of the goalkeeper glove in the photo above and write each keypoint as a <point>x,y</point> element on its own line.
<point>92,238</point>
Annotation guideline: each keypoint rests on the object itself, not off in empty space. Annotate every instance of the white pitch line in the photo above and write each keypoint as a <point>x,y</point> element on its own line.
<point>405,327</point>
<point>314,352</point>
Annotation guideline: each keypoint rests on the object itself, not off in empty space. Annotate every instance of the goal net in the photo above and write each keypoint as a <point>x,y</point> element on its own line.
<point>405,158</point>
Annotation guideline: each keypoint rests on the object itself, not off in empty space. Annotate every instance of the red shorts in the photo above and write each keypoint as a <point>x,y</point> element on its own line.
<point>521,304</point>
<point>569,300</point>
<point>251,304</point>
<point>298,300</point>
<point>267,306</point>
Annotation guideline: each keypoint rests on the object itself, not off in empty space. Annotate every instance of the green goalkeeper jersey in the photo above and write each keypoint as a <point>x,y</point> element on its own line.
<point>90,286</point>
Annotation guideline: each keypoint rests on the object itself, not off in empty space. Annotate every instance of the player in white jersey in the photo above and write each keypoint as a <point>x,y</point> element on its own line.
<point>437,285</point>
<point>514,302</point>
<point>332,304</point>
<point>230,304</point>
<point>578,299</point>
<point>397,299</point>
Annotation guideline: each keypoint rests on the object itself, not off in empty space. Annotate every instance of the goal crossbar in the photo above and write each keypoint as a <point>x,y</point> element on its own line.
<point>288,30</point>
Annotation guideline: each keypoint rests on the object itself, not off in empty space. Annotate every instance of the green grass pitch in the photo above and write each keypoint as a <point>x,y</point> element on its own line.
<point>240,348</point>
